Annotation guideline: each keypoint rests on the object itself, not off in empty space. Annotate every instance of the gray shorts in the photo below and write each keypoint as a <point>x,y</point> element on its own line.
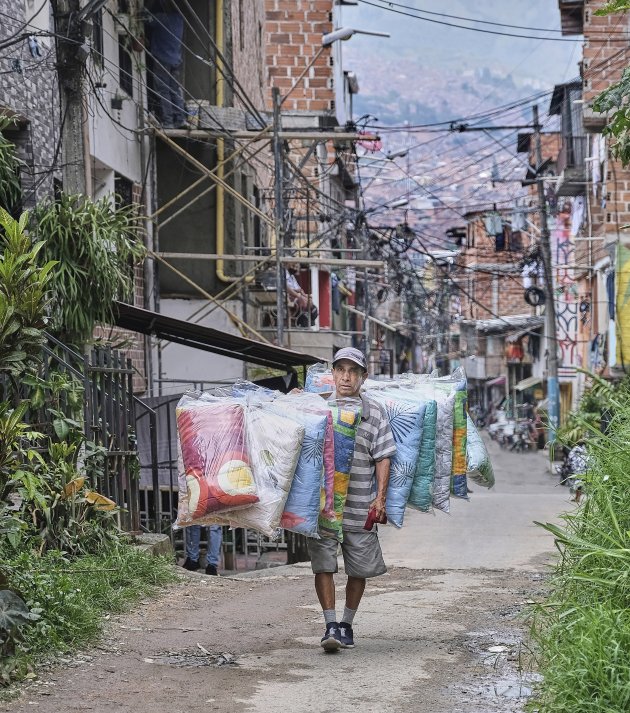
<point>362,556</point>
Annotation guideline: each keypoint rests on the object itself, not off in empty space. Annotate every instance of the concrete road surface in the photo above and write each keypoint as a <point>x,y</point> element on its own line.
<point>442,632</point>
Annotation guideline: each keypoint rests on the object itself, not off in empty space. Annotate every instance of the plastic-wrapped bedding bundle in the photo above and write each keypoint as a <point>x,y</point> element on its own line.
<point>406,418</point>
<point>274,443</point>
<point>319,380</point>
<point>301,510</point>
<point>478,462</point>
<point>215,473</point>
<point>444,395</point>
<point>421,495</point>
<point>459,483</point>
<point>345,419</point>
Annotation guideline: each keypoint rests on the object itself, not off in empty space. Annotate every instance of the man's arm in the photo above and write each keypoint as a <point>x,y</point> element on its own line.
<point>382,481</point>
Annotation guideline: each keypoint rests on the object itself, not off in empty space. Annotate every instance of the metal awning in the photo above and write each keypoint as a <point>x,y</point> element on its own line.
<point>499,381</point>
<point>208,339</point>
<point>528,383</point>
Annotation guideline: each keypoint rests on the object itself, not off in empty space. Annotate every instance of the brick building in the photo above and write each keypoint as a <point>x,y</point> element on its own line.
<point>601,186</point>
<point>499,332</point>
<point>314,90</point>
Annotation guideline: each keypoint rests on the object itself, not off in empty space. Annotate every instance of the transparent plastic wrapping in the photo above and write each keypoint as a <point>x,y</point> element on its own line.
<point>421,494</point>
<point>406,420</point>
<point>319,380</point>
<point>345,419</point>
<point>274,444</point>
<point>315,465</point>
<point>477,460</point>
<point>215,473</point>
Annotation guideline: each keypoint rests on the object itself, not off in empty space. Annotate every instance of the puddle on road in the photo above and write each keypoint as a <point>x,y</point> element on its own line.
<point>184,660</point>
<point>506,687</point>
<point>516,687</point>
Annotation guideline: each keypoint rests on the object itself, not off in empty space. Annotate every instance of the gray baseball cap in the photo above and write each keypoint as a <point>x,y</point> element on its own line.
<point>355,355</point>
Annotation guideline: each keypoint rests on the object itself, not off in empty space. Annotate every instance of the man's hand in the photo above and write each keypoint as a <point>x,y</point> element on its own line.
<point>378,505</point>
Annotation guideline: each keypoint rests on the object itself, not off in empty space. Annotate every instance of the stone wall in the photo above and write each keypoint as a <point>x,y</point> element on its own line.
<point>29,92</point>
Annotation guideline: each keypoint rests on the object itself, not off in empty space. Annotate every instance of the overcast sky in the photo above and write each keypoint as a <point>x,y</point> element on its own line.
<point>527,60</point>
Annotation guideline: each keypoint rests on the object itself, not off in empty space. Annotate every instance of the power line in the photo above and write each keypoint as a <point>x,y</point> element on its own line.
<point>463,27</point>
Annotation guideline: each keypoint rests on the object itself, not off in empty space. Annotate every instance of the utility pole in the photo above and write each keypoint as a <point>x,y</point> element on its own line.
<point>550,305</point>
<point>278,161</point>
<point>71,57</point>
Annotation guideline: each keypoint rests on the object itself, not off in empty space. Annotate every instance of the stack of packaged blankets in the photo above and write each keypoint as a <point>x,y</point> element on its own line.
<point>256,458</point>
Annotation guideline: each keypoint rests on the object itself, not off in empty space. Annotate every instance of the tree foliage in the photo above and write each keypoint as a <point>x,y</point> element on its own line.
<point>613,6</point>
<point>96,246</point>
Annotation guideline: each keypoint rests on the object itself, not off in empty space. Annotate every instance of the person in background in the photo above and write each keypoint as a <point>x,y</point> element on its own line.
<point>165,30</point>
<point>215,539</point>
<point>300,304</point>
<point>577,465</point>
<point>403,363</point>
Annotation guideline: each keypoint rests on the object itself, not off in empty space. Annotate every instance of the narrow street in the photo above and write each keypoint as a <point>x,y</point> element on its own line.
<point>440,633</point>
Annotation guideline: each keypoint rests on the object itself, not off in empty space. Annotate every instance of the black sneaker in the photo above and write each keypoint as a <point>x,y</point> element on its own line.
<point>330,640</point>
<point>346,636</point>
<point>192,565</point>
<point>212,569</point>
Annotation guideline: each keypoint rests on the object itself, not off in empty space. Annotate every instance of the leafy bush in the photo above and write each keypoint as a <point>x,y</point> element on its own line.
<point>96,245</point>
<point>71,596</point>
<point>10,187</point>
<point>14,615</point>
<point>24,294</point>
<point>583,630</point>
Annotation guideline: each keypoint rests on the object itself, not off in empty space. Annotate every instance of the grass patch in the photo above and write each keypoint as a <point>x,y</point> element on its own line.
<point>73,596</point>
<point>582,631</point>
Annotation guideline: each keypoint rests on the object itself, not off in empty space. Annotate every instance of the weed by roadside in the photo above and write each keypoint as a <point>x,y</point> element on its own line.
<point>72,596</point>
<point>583,629</point>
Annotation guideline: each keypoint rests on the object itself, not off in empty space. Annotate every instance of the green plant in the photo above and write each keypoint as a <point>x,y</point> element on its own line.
<point>62,510</point>
<point>57,401</point>
<point>16,446</point>
<point>583,628</point>
<point>14,615</point>
<point>96,245</point>
<point>72,596</point>
<point>24,290</point>
<point>10,187</point>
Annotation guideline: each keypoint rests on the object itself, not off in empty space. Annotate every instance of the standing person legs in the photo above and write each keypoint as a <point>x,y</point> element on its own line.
<point>215,539</point>
<point>169,96</point>
<point>192,535</point>
<point>178,108</point>
<point>323,554</point>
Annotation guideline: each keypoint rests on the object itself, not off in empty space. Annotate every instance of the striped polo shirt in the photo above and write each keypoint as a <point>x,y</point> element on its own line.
<point>374,441</point>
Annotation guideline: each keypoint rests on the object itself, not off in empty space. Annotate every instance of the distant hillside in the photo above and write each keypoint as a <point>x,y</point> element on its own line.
<point>396,91</point>
<point>442,47</point>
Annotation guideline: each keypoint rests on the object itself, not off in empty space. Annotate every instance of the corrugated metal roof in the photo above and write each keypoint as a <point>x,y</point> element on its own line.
<point>522,322</point>
<point>208,339</point>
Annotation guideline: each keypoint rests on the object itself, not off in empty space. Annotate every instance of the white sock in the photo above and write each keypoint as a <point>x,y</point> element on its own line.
<point>348,615</point>
<point>330,616</point>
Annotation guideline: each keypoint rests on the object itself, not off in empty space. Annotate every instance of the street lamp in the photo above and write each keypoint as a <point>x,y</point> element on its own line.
<point>345,33</point>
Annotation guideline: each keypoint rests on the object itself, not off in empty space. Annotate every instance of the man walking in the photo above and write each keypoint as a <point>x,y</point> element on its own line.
<point>369,476</point>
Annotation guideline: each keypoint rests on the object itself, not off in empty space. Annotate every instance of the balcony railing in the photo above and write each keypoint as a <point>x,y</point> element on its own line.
<point>572,154</point>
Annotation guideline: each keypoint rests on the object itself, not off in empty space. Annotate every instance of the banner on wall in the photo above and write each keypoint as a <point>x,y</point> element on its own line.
<point>623,305</point>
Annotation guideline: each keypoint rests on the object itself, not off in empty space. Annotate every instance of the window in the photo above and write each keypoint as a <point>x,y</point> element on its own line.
<point>125,69</point>
<point>123,188</point>
<point>241,25</point>
<point>97,38</point>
